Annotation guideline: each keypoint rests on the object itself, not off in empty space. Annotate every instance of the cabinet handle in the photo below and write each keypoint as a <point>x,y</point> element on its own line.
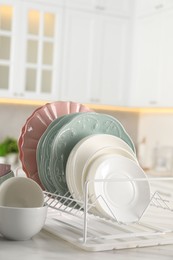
<point>101,8</point>
<point>18,94</point>
<point>159,6</point>
<point>95,100</point>
<point>152,102</point>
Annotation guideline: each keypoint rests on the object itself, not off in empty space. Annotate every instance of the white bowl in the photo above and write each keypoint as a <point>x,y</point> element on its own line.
<point>21,223</point>
<point>21,192</point>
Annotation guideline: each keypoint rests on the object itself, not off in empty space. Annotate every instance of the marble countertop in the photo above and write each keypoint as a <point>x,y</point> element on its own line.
<point>46,246</point>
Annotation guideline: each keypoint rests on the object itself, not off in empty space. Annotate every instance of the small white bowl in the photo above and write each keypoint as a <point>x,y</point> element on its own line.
<point>21,192</point>
<point>21,223</point>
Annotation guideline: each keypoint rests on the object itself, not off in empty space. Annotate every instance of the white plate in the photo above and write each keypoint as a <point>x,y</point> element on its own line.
<point>118,187</point>
<point>83,125</point>
<point>84,151</point>
<point>110,150</point>
<point>76,168</point>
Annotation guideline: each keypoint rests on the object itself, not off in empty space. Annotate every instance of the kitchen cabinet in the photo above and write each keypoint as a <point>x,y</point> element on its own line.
<point>78,29</point>
<point>92,35</point>
<point>166,61</point>
<point>152,77</point>
<point>108,81</point>
<point>113,52</point>
<point>94,60</point>
<point>30,37</point>
<point>6,46</point>
<point>145,62</point>
<point>149,7</point>
<point>112,7</point>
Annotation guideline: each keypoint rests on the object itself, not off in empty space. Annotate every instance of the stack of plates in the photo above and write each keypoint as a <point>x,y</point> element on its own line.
<point>65,151</point>
<point>35,126</point>
<point>108,169</point>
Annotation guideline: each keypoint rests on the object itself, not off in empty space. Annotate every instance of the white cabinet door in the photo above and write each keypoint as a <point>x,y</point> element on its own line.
<point>150,7</point>
<point>30,48</point>
<point>108,79</point>
<point>7,47</point>
<point>77,55</point>
<point>94,58</point>
<point>146,63</point>
<point>116,7</point>
<point>40,51</point>
<point>152,76</point>
<point>166,75</point>
<point>111,7</point>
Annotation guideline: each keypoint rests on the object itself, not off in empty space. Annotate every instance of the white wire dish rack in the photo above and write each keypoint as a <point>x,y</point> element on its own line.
<point>95,233</point>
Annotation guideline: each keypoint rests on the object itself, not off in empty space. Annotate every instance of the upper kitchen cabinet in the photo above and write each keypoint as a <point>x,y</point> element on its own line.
<point>95,50</point>
<point>6,46</point>
<point>109,71</point>
<point>114,7</point>
<point>150,7</point>
<point>77,55</point>
<point>145,71</point>
<point>152,61</point>
<point>30,49</point>
<point>166,61</point>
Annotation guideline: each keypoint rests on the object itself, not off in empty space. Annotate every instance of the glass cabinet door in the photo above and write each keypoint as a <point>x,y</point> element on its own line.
<point>30,42</point>
<point>41,51</point>
<point>6,18</point>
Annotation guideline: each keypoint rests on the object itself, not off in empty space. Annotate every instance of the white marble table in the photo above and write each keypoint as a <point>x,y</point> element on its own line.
<point>46,246</point>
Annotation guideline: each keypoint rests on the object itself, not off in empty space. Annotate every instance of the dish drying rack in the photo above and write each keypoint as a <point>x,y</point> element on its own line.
<point>91,232</point>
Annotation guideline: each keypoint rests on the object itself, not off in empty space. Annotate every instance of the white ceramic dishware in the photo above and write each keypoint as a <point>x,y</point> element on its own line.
<point>35,126</point>
<point>84,124</point>
<point>85,151</point>
<point>118,187</point>
<point>21,192</point>
<point>21,223</point>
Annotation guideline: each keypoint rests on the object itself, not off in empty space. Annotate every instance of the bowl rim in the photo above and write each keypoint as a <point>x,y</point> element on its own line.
<point>25,208</point>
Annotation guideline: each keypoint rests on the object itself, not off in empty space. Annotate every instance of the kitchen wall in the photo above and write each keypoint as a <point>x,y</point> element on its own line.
<point>157,129</point>
<point>12,118</point>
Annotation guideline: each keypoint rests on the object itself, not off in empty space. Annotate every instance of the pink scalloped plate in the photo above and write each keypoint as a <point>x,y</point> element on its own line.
<point>20,140</point>
<point>35,126</point>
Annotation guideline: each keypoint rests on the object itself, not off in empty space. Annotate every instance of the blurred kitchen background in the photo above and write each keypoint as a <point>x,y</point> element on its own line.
<point>116,56</point>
